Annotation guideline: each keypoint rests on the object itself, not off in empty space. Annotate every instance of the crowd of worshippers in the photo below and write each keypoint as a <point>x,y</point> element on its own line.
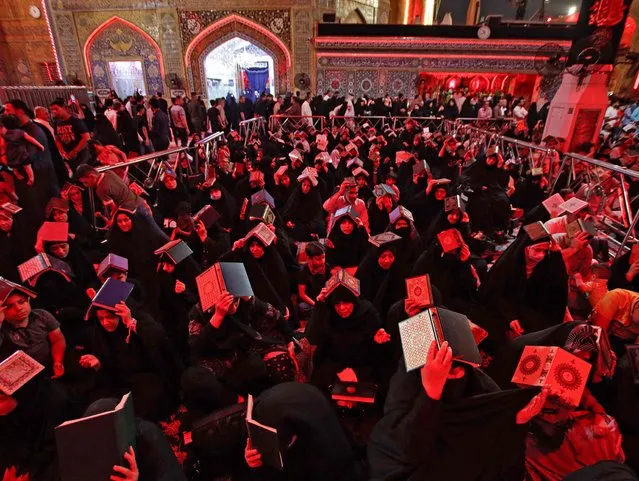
<point>292,270</point>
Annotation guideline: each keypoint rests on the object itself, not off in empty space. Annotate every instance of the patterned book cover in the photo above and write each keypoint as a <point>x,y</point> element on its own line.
<point>563,373</point>
<point>34,266</point>
<point>210,286</point>
<point>417,334</point>
<point>16,371</point>
<point>419,290</point>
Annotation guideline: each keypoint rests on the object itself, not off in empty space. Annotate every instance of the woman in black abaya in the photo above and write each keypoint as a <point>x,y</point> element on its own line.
<point>218,197</point>
<point>380,273</point>
<point>452,273</point>
<point>171,196</point>
<point>15,248</point>
<point>379,211</point>
<point>426,205</point>
<point>528,283</point>
<point>133,239</point>
<point>313,444</point>
<point>265,270</point>
<point>470,434</point>
<point>488,205</point>
<point>343,327</point>
<point>135,357</point>
<point>347,243</point>
<point>302,214</point>
<point>410,246</point>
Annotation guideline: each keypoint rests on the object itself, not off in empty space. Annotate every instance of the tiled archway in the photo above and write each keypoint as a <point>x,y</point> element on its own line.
<point>236,26</point>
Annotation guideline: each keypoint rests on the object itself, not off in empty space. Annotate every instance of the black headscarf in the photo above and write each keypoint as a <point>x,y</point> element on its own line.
<point>169,201</point>
<point>346,250</point>
<point>379,286</point>
<point>268,276</point>
<point>320,450</point>
<point>470,435</point>
<point>536,302</point>
<point>305,210</point>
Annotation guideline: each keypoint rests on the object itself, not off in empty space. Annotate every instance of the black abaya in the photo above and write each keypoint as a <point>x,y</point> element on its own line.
<point>470,435</point>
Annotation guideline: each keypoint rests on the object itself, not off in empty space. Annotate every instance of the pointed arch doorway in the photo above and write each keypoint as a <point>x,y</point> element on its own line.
<point>229,28</point>
<point>238,67</point>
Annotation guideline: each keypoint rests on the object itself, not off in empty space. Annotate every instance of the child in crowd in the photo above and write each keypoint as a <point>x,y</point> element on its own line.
<point>15,146</point>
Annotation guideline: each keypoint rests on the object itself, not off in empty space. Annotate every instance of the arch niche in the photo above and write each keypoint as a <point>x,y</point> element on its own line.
<point>236,26</point>
<point>119,40</point>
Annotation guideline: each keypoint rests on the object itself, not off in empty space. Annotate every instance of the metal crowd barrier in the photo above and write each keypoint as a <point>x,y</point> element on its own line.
<point>203,151</point>
<point>493,125</point>
<point>433,124</point>
<point>250,127</point>
<point>291,123</point>
<point>584,175</point>
<point>360,121</point>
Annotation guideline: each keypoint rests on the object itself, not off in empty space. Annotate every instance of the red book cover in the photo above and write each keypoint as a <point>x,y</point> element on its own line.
<point>563,373</point>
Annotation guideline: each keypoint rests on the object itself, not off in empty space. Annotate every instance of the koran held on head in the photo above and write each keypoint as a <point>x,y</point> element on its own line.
<point>32,269</point>
<point>439,325</point>
<point>222,277</point>
<point>572,206</point>
<point>381,190</point>
<point>174,251</point>
<point>552,205</point>
<point>112,292</point>
<point>54,232</point>
<point>454,202</point>
<point>208,215</point>
<point>113,262</point>
<point>265,235</point>
<point>89,447</point>
<point>263,213</point>
<point>384,239</point>
<point>344,279</point>
<point>263,197</point>
<point>7,288</point>
<point>563,373</point>
<point>400,212</point>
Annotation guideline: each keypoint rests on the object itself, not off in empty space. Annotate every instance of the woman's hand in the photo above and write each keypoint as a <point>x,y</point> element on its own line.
<point>180,287</point>
<point>381,337</point>
<point>239,244</point>
<point>11,474</point>
<point>127,474</point>
<point>89,361</point>
<point>124,313</point>
<point>533,408</point>
<point>200,230</point>
<point>435,372</point>
<point>252,456</point>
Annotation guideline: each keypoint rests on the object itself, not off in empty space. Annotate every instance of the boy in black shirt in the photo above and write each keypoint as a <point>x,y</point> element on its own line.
<point>311,278</point>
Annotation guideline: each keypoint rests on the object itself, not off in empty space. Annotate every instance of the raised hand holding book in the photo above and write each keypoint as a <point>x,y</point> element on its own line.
<point>264,438</point>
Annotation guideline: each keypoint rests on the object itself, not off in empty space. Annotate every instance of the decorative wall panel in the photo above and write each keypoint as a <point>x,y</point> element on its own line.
<point>377,75</point>
<point>118,41</point>
<point>303,33</point>
<point>69,45</point>
<point>193,22</point>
